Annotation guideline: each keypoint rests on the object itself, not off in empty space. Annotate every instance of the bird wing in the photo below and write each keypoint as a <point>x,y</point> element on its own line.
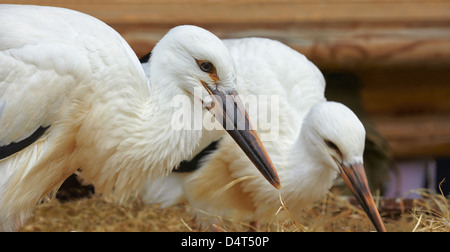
<point>30,93</point>
<point>36,70</point>
<point>45,52</point>
<point>269,67</point>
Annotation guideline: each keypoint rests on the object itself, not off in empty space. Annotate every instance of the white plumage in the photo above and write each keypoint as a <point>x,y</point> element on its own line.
<point>317,141</point>
<point>73,95</point>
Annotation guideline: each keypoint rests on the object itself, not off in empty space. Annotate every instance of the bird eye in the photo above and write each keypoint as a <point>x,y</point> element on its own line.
<point>331,145</point>
<point>206,66</point>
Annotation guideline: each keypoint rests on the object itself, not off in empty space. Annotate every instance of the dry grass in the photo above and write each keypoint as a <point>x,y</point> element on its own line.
<point>433,216</point>
<point>332,214</point>
<point>96,214</point>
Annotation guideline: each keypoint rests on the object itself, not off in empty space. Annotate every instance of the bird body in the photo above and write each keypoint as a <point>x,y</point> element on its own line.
<point>60,77</point>
<point>317,140</point>
<point>73,95</point>
<point>305,175</point>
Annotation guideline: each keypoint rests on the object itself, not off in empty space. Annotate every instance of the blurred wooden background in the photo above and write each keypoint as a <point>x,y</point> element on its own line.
<point>399,49</point>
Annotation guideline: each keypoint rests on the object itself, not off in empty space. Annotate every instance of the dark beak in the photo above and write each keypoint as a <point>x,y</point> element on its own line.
<point>355,178</point>
<point>230,112</point>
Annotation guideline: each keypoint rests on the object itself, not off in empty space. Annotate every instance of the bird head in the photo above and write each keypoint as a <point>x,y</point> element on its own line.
<point>194,57</point>
<point>188,59</point>
<point>339,137</point>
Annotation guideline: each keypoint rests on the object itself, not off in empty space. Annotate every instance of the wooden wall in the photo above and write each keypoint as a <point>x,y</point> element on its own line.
<point>399,48</point>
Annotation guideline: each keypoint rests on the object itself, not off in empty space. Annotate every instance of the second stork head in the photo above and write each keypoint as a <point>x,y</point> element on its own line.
<point>334,131</point>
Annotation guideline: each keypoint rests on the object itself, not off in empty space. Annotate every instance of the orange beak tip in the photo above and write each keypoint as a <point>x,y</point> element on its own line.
<point>355,178</point>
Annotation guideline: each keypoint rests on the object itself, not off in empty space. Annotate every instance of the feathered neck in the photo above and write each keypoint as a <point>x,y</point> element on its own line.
<point>137,139</point>
<point>309,174</point>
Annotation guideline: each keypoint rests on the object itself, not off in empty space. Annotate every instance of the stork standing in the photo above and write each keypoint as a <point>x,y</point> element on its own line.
<point>73,95</point>
<point>317,141</point>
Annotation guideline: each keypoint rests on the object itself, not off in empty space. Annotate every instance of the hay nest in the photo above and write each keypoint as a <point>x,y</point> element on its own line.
<point>333,213</point>
<point>98,215</point>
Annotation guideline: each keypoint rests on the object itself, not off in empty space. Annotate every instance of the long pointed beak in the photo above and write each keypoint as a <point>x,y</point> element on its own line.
<point>231,113</point>
<point>355,178</point>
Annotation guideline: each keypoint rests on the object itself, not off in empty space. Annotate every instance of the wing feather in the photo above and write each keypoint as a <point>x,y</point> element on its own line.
<point>41,60</point>
<point>29,96</point>
<point>8,150</point>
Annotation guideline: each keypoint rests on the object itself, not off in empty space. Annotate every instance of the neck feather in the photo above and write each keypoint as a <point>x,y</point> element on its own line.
<point>132,142</point>
<point>310,175</point>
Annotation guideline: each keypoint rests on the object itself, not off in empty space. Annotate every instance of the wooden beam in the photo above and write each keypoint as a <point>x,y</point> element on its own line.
<point>405,91</point>
<point>410,108</point>
<point>333,34</point>
<point>333,48</point>
<point>257,12</point>
<point>416,136</point>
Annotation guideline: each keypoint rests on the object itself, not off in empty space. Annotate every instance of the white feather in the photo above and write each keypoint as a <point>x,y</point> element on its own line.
<point>2,107</point>
<point>166,191</point>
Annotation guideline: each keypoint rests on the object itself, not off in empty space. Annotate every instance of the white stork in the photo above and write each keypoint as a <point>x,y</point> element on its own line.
<point>73,95</point>
<point>317,141</point>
